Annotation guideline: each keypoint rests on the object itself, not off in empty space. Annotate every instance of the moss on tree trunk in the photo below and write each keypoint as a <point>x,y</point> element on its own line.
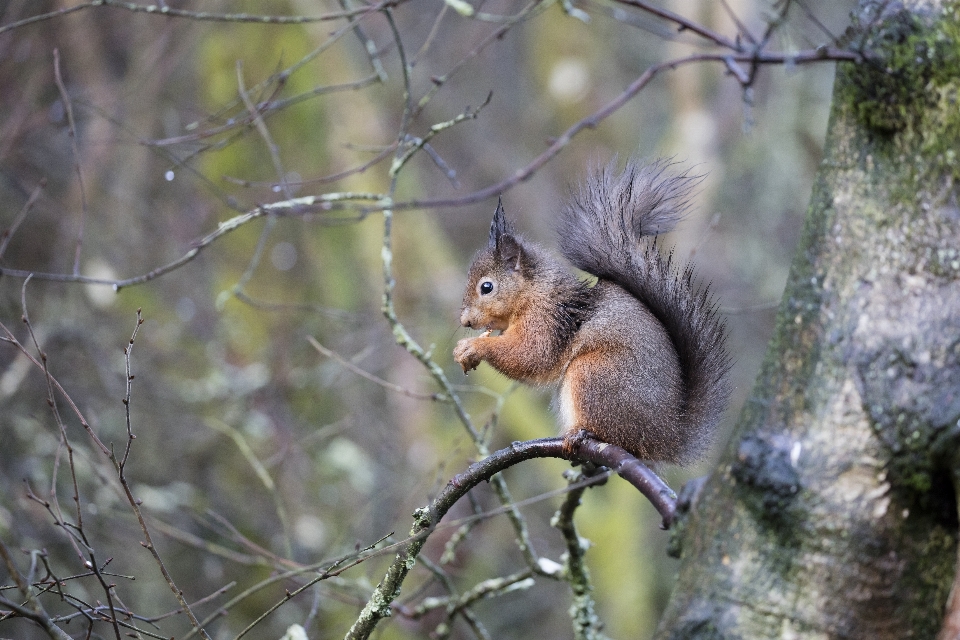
<point>832,513</point>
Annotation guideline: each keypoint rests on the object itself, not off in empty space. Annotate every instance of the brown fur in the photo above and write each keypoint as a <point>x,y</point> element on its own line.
<point>639,357</point>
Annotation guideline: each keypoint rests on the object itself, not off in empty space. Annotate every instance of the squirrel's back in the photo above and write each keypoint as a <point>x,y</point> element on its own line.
<point>608,229</point>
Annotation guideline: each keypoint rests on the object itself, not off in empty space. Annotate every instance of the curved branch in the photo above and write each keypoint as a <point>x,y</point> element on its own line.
<point>660,495</point>
<point>426,518</point>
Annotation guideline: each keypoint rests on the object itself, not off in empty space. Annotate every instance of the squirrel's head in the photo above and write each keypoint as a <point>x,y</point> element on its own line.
<point>498,279</point>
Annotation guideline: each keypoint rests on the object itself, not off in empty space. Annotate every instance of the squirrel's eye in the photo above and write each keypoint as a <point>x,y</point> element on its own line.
<point>486,287</point>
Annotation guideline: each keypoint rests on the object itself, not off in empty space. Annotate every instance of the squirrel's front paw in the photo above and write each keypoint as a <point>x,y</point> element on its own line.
<point>465,353</point>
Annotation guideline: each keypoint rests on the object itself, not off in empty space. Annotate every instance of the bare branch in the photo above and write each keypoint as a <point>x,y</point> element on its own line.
<point>9,337</point>
<point>261,472</point>
<point>297,206</point>
<point>322,350</point>
<point>586,623</point>
<point>161,9</point>
<point>7,234</point>
<point>33,610</point>
<point>135,504</point>
<point>64,443</point>
<point>529,11</point>
<point>369,45</point>
<point>332,569</point>
<point>127,351</point>
<point>741,28</point>
<point>72,133</point>
<point>684,24</point>
<point>427,518</point>
<point>815,20</point>
<point>821,54</point>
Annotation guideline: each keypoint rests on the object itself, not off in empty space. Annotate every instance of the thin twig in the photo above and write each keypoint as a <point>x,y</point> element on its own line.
<point>209,547</point>
<point>333,177</point>
<point>127,352</point>
<point>741,28</point>
<point>431,37</point>
<point>257,117</point>
<point>816,21</point>
<point>459,604</point>
<point>33,610</point>
<point>684,24</point>
<point>369,45</point>
<point>334,569</point>
<point>108,591</point>
<point>438,397</point>
<point>450,547</point>
<point>279,79</point>
<point>7,234</point>
<point>135,504</point>
<point>64,442</point>
<point>328,312</point>
<point>271,222</point>
<point>748,308</point>
<point>9,337</point>
<point>416,144</point>
<point>261,471</point>
<point>72,133</point>
<point>528,12</point>
<point>244,541</point>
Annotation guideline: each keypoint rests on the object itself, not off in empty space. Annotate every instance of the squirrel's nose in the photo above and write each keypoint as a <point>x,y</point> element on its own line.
<point>465,318</point>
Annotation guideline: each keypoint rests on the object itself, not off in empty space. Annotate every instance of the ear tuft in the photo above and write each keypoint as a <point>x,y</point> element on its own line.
<point>506,247</point>
<point>499,227</point>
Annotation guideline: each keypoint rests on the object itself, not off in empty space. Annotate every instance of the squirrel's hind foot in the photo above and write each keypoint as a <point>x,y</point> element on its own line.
<point>574,439</point>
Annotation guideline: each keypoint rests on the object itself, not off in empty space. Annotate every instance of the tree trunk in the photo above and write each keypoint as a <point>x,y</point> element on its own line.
<point>832,513</point>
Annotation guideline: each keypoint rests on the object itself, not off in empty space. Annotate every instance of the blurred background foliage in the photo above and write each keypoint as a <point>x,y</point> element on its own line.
<point>255,453</point>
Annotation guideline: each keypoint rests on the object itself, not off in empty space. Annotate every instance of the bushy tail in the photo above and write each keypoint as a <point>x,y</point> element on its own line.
<point>608,229</point>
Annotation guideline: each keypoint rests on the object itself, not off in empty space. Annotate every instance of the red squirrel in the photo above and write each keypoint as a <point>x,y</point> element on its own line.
<point>639,358</point>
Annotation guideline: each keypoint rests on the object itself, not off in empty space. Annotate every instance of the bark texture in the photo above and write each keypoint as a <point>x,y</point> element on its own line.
<point>832,513</point>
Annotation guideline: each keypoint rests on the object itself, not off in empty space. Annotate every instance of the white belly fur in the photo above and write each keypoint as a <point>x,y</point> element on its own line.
<point>566,407</point>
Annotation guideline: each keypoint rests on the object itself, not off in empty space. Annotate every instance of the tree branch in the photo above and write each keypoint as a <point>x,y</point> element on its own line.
<point>161,9</point>
<point>34,610</point>
<point>427,518</point>
<point>684,24</point>
<point>586,623</point>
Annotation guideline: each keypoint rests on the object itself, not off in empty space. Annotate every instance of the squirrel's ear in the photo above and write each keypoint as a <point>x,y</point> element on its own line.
<point>510,252</point>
